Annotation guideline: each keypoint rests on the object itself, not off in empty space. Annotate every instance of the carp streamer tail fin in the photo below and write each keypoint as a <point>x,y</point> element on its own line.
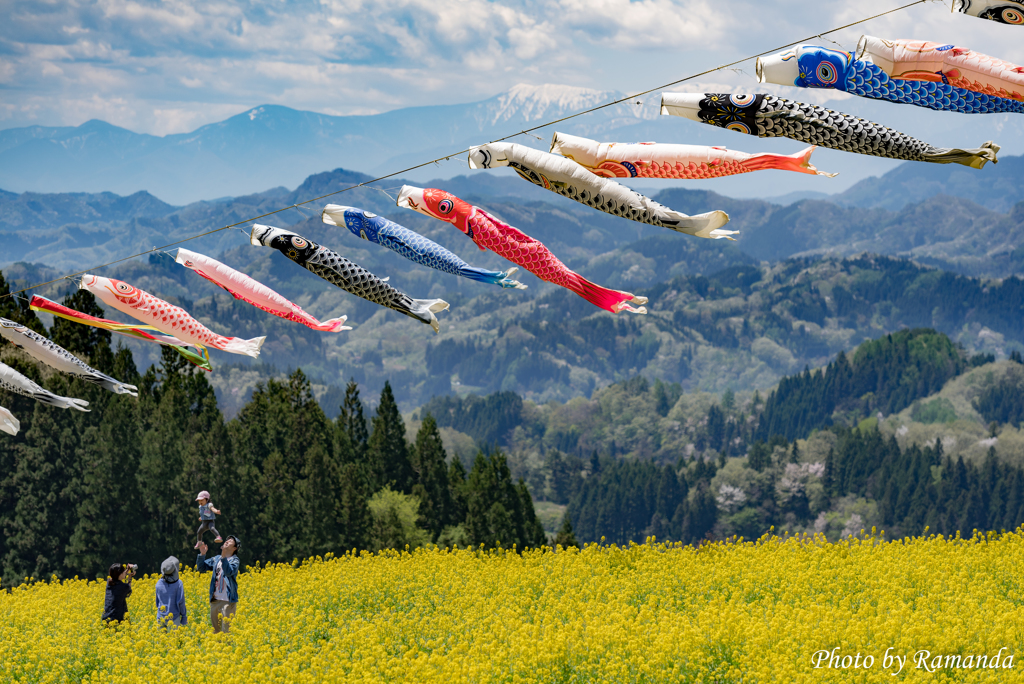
<point>799,162</point>
<point>424,309</point>
<point>975,157</point>
<point>499,278</point>
<point>606,298</point>
<point>247,347</point>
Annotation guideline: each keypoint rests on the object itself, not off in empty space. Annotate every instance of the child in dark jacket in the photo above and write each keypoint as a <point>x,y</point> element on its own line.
<point>207,516</point>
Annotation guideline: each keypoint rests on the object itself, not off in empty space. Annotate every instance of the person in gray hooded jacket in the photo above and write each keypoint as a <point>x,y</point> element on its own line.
<point>170,595</point>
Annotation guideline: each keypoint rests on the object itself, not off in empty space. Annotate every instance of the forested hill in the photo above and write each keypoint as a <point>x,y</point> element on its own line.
<point>743,327</point>
<point>79,490</point>
<point>543,342</point>
<point>830,450</point>
<point>636,458</point>
<point>885,375</point>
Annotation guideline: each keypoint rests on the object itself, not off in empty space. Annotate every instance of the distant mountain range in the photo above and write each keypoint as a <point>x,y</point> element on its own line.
<point>796,312</point>
<point>271,145</point>
<point>924,214</point>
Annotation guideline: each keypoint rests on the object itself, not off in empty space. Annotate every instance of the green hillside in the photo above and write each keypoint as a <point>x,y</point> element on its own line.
<point>641,458</point>
<point>744,327</point>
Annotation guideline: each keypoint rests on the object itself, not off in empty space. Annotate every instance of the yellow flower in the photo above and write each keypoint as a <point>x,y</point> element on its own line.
<point>657,612</point>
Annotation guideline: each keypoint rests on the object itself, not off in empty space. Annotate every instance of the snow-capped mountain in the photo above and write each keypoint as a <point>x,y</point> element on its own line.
<point>271,145</point>
<point>533,103</point>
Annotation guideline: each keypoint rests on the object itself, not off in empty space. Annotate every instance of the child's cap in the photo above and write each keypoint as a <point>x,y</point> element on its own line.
<point>203,495</point>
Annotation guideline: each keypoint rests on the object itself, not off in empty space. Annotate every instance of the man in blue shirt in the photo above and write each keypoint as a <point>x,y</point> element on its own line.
<point>223,584</point>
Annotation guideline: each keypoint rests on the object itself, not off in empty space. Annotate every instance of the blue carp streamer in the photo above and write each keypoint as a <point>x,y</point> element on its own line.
<point>813,66</point>
<point>412,245</point>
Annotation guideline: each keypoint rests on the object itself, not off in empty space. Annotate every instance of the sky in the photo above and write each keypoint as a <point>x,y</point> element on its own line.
<point>172,66</point>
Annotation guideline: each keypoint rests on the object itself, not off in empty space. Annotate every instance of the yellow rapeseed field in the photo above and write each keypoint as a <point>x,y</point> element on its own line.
<point>923,609</point>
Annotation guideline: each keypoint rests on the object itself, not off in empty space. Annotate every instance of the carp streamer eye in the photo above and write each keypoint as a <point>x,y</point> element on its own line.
<point>445,206</point>
<point>741,100</point>
<point>299,242</point>
<point>124,288</point>
<point>1013,16</point>
<point>827,73</point>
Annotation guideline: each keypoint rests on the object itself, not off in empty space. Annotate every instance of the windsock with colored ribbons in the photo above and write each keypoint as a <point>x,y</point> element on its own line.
<point>139,332</point>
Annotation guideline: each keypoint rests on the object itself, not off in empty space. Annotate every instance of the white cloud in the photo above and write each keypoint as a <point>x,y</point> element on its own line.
<point>166,66</point>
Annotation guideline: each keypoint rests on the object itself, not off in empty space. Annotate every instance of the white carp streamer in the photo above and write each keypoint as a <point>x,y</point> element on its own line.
<point>571,180</point>
<point>13,381</point>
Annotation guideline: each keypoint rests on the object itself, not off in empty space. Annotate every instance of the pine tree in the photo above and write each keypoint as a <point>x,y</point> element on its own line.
<point>40,522</point>
<point>565,537</point>
<point>275,435</point>
<point>496,508</point>
<point>431,472</point>
<point>457,488</point>
<point>16,308</point>
<point>387,449</point>
<point>353,422</point>
<point>759,456</point>
<point>701,514</point>
<point>533,535</point>
<point>108,505</point>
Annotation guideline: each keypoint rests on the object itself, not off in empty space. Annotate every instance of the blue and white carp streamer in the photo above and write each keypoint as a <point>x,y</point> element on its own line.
<point>813,66</point>
<point>412,245</point>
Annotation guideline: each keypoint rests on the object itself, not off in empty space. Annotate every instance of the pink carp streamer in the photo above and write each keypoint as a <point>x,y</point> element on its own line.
<point>164,316</point>
<point>139,332</point>
<point>254,292</point>
<point>921,60</point>
<point>8,423</point>
<point>663,160</point>
<point>519,248</point>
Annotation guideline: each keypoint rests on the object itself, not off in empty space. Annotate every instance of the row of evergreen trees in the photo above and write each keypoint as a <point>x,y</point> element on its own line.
<point>913,489</point>
<point>885,375</point>
<point>919,487</point>
<point>79,491</point>
<point>631,500</point>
